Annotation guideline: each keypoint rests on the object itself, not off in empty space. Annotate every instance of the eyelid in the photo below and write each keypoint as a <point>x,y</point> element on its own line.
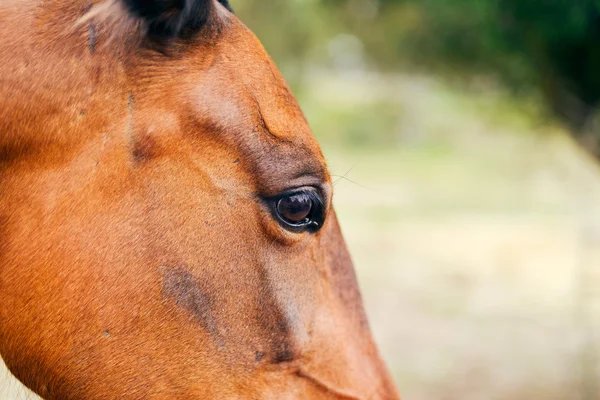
<point>301,189</point>
<point>294,183</point>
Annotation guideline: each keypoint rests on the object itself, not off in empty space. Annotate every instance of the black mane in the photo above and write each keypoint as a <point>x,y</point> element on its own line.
<point>226,4</point>
<point>174,18</point>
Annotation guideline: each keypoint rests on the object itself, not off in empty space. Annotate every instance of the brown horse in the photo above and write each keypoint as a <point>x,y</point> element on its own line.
<point>166,228</point>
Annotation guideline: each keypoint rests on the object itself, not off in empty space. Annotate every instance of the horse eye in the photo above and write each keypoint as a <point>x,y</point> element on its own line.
<point>300,211</point>
<point>295,208</point>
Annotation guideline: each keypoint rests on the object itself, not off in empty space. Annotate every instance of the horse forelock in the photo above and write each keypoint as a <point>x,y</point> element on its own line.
<point>155,22</point>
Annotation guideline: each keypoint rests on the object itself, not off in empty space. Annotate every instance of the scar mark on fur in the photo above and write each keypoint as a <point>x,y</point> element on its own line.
<point>129,124</point>
<point>92,38</point>
<point>188,294</point>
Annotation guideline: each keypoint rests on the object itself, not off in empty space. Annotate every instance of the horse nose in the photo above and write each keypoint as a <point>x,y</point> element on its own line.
<point>345,359</point>
<point>367,387</point>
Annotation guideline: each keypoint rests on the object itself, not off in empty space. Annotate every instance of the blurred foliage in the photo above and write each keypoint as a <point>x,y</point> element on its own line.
<point>548,49</point>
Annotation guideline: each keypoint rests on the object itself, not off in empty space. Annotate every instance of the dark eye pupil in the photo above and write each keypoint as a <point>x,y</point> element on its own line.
<point>295,208</point>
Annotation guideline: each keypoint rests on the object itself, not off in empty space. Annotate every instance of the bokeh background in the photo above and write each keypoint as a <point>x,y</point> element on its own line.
<point>463,137</point>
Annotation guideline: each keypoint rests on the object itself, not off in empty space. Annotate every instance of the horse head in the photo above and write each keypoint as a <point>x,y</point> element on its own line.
<point>166,216</point>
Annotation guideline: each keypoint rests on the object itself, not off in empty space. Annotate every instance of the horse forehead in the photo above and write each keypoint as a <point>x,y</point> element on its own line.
<point>242,104</point>
<point>243,95</point>
<point>246,83</point>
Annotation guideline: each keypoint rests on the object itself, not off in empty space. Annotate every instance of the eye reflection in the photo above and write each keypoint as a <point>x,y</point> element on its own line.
<point>295,208</point>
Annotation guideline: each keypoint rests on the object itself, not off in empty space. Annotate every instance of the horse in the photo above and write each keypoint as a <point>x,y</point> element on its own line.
<point>166,220</point>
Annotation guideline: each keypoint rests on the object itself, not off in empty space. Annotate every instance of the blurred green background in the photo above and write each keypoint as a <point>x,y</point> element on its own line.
<point>463,137</point>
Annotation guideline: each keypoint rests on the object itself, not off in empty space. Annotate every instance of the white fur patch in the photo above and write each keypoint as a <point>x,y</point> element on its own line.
<point>11,388</point>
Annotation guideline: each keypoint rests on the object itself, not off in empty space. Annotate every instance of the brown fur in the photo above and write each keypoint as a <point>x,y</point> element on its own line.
<point>137,259</point>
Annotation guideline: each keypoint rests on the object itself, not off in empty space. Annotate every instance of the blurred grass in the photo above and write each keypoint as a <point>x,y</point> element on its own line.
<point>473,224</point>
